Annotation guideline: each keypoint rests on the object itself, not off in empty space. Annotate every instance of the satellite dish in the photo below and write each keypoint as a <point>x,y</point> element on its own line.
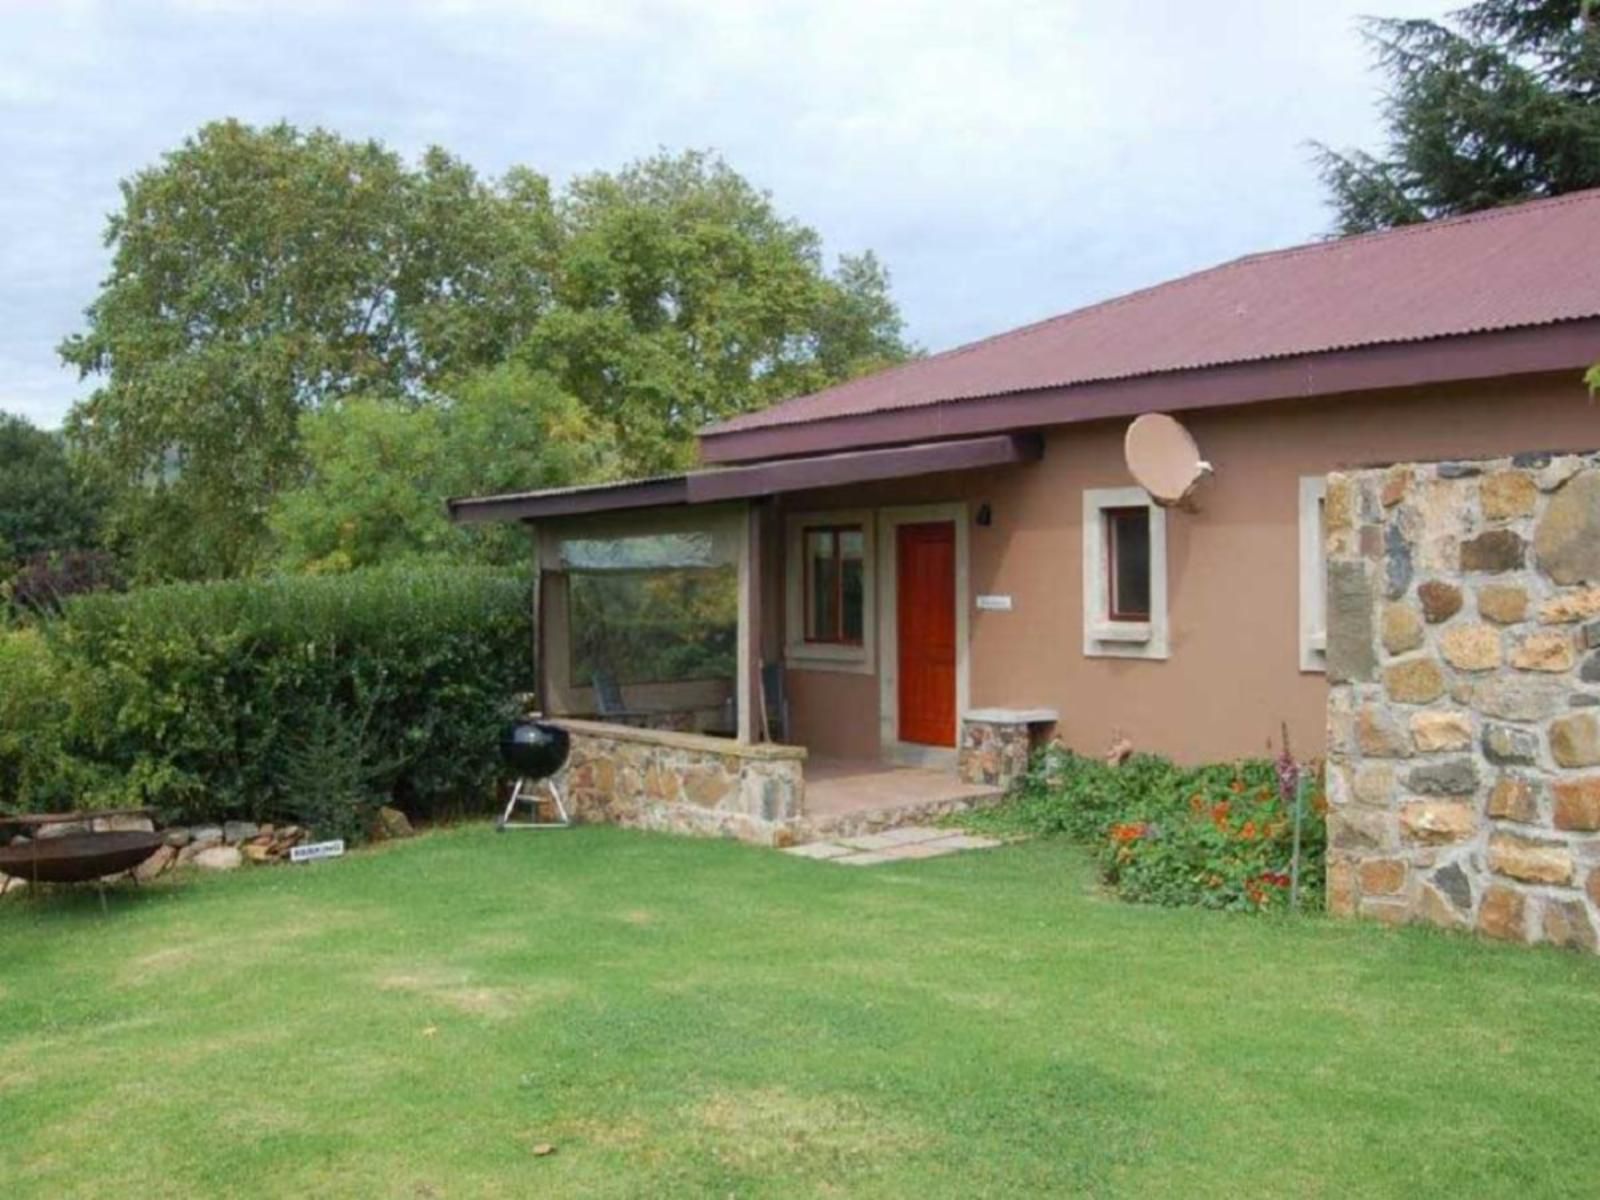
<point>1164,459</point>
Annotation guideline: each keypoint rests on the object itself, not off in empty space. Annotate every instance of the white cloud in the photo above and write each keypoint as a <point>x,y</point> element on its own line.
<point>1008,159</point>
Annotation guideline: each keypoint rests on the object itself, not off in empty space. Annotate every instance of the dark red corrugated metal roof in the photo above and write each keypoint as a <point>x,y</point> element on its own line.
<point>1524,265</point>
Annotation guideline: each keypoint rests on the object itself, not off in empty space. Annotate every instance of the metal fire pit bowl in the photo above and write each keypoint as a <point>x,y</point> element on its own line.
<point>78,857</point>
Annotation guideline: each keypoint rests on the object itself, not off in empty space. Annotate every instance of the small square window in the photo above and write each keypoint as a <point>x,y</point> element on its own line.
<point>1124,574</point>
<point>835,594</point>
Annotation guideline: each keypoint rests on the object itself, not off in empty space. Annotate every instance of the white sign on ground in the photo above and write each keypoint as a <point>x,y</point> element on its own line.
<point>315,850</point>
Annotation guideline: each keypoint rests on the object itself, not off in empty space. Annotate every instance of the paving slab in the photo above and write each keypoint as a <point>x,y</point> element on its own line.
<point>905,835</point>
<point>823,850</point>
<point>865,858</point>
<point>923,850</point>
<point>971,841</point>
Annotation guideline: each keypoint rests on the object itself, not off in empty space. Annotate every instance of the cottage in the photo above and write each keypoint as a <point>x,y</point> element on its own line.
<point>952,553</point>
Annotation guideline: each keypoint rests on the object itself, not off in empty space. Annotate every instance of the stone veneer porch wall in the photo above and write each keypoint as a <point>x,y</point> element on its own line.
<point>684,782</point>
<point>1464,706</point>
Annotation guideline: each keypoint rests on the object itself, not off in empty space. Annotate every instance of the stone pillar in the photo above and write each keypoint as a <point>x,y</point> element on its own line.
<point>1464,702</point>
<point>995,743</point>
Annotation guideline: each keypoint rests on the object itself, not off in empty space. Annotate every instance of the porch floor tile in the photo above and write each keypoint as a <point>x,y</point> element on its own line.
<point>907,843</point>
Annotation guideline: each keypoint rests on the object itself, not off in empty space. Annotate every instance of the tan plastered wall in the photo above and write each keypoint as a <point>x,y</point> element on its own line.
<point>1233,567</point>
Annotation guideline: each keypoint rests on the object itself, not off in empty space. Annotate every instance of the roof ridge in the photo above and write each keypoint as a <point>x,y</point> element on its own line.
<point>1302,248</point>
<point>1498,211</point>
<point>1181,283</point>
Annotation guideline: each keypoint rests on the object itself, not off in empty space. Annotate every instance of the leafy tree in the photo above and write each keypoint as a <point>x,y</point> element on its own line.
<point>681,297</point>
<point>261,276</point>
<point>381,470</point>
<point>261,273</point>
<point>1499,103</point>
<point>44,506</point>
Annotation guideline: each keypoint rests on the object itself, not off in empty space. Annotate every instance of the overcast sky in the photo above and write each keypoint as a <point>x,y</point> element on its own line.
<point>1007,160</point>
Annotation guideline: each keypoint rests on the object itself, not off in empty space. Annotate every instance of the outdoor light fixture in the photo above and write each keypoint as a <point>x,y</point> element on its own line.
<point>985,517</point>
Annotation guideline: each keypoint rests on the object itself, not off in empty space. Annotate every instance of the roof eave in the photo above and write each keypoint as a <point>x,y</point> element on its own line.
<point>754,481</point>
<point>1529,350</point>
<point>565,502</point>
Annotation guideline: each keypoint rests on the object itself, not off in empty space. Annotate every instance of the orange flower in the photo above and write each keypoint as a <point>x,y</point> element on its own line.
<point>1248,833</point>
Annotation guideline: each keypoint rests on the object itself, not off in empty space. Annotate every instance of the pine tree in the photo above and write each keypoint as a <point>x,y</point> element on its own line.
<point>1497,104</point>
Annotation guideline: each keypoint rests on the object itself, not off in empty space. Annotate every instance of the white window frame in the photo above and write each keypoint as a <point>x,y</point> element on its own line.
<point>828,656</point>
<point>1313,576</point>
<point>1103,637</point>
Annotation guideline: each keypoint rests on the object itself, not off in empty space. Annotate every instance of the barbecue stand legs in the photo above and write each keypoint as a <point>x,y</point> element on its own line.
<point>531,800</point>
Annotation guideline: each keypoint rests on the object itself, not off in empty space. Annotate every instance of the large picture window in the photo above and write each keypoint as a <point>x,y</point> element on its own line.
<point>835,592</point>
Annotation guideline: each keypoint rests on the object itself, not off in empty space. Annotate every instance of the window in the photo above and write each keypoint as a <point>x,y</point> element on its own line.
<point>835,592</point>
<point>829,591</point>
<point>1127,563</point>
<point>1313,574</point>
<point>1124,574</point>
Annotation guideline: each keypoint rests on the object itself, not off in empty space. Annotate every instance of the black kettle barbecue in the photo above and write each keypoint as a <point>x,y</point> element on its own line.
<point>535,751</point>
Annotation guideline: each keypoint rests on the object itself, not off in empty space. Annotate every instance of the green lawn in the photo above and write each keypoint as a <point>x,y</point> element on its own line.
<point>683,1018</point>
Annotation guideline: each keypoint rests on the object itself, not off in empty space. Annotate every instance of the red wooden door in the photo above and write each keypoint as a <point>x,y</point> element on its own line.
<point>925,611</point>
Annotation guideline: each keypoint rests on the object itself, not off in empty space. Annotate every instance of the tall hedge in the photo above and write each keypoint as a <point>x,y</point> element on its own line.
<point>211,701</point>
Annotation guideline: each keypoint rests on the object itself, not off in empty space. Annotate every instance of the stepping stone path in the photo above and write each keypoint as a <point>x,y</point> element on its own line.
<point>892,845</point>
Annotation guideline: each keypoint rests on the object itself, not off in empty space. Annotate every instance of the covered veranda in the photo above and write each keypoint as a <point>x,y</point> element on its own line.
<point>661,635</point>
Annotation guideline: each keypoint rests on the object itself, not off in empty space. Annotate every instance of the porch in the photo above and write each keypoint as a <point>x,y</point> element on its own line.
<point>766,792</point>
<point>845,797</point>
<point>732,660</point>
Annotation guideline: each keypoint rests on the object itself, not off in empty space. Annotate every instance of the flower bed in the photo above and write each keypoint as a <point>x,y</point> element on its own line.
<point>1218,836</point>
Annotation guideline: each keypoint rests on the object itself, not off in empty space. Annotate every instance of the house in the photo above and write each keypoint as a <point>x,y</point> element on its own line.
<point>953,552</point>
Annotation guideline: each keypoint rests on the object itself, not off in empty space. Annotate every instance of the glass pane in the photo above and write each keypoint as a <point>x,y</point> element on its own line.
<point>654,626</point>
<point>852,551</point>
<point>1320,595</point>
<point>661,550</point>
<point>822,617</point>
<point>1128,531</point>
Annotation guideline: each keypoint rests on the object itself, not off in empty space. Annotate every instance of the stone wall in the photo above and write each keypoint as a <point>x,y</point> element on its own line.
<point>1464,706</point>
<point>684,783</point>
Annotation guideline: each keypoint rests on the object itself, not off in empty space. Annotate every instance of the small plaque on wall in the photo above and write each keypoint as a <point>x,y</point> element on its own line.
<point>994,603</point>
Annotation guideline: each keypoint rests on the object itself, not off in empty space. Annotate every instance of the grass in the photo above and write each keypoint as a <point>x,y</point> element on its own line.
<point>698,1018</point>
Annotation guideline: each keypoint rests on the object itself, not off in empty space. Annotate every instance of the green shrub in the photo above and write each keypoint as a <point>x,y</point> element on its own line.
<point>1218,836</point>
<point>331,779</point>
<point>36,773</point>
<point>199,699</point>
